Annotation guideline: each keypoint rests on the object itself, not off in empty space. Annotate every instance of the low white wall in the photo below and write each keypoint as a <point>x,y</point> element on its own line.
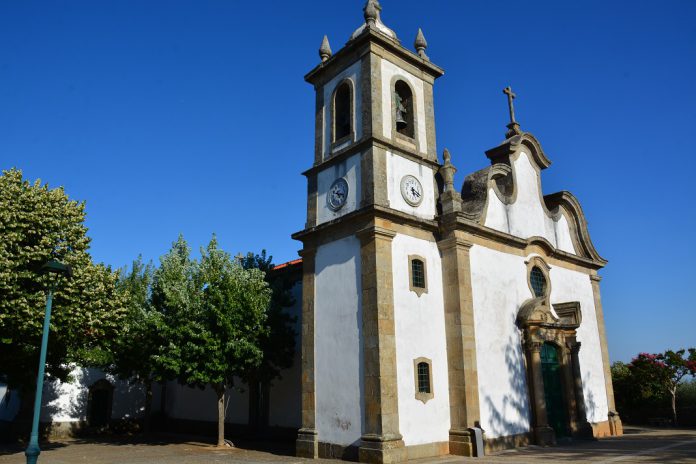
<point>201,404</point>
<point>420,332</point>
<point>67,401</point>
<point>338,343</point>
<point>9,403</point>
<point>286,392</point>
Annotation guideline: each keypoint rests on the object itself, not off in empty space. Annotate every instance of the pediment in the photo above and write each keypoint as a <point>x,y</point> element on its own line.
<point>538,312</point>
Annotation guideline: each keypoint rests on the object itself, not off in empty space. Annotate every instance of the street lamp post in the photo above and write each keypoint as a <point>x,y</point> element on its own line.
<point>32,452</point>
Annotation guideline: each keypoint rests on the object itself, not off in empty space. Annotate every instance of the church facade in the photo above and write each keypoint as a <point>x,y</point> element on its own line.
<point>430,313</point>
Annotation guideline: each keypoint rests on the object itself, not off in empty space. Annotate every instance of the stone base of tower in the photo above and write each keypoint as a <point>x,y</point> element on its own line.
<point>461,443</point>
<point>307,445</point>
<point>544,436</point>
<point>608,428</point>
<point>380,450</point>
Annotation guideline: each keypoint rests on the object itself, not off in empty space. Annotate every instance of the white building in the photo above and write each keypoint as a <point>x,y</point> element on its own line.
<point>426,312</point>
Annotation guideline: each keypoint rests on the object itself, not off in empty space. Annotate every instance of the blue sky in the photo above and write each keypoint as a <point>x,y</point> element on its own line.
<point>172,117</point>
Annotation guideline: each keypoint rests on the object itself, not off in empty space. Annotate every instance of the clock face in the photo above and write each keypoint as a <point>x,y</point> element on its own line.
<point>411,190</point>
<point>337,194</point>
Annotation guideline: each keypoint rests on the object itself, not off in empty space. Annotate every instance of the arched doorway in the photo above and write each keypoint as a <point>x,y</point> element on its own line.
<point>553,389</point>
<point>99,403</point>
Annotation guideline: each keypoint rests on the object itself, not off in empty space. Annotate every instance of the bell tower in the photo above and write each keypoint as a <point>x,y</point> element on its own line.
<point>372,183</point>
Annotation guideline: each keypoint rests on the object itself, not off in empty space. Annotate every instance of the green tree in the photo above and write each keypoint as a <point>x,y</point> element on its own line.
<point>214,312</point>
<point>278,342</point>
<point>657,374</point>
<point>37,224</point>
<point>139,343</point>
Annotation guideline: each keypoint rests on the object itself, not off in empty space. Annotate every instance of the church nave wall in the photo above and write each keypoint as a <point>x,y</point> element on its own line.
<point>499,288</point>
<point>567,285</point>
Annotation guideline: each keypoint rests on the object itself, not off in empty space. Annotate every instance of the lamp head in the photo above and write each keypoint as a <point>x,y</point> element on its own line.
<point>56,267</point>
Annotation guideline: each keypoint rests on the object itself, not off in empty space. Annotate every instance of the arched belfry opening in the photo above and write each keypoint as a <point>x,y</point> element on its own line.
<point>342,112</point>
<point>404,109</point>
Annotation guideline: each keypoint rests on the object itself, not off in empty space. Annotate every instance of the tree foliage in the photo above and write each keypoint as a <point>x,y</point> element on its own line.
<point>36,224</point>
<point>652,378</point>
<point>278,342</point>
<point>214,314</point>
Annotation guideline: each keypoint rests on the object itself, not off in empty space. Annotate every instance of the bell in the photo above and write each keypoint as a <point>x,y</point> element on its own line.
<point>400,118</point>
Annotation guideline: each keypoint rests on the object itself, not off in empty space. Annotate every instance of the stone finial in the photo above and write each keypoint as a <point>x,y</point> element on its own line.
<point>421,44</point>
<point>371,12</point>
<point>447,171</point>
<point>325,49</point>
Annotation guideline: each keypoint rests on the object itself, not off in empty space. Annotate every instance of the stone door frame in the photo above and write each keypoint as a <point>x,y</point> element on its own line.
<point>558,326</point>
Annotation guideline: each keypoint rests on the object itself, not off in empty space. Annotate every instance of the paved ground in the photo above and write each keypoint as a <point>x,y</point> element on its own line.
<point>636,446</point>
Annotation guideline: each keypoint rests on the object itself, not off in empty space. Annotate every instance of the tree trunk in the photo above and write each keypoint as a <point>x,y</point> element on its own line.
<point>221,416</point>
<point>163,399</point>
<point>147,425</point>
<point>674,406</point>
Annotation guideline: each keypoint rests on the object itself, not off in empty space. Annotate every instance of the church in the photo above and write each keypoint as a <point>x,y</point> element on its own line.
<point>432,315</point>
<point>431,319</point>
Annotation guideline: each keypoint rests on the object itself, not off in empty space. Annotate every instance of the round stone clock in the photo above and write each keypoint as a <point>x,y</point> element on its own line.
<point>337,194</point>
<point>411,190</point>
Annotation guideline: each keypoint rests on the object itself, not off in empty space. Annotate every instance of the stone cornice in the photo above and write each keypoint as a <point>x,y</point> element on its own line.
<point>466,225</point>
<point>346,55</point>
<point>375,231</point>
<point>362,145</point>
<point>452,242</point>
<point>355,221</point>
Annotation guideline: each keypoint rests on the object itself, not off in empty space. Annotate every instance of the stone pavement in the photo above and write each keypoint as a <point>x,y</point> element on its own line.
<point>638,445</point>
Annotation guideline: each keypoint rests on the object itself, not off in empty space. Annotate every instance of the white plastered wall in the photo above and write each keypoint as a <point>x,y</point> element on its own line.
<point>353,74</point>
<point>567,285</point>
<point>197,404</point>
<point>389,70</point>
<point>9,403</point>
<point>397,168</point>
<point>285,396</point>
<point>67,401</point>
<point>348,169</point>
<point>338,343</point>
<point>420,332</point>
<point>527,217</point>
<point>499,286</point>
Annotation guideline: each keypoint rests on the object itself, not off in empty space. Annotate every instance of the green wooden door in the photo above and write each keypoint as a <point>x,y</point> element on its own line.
<point>553,390</point>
